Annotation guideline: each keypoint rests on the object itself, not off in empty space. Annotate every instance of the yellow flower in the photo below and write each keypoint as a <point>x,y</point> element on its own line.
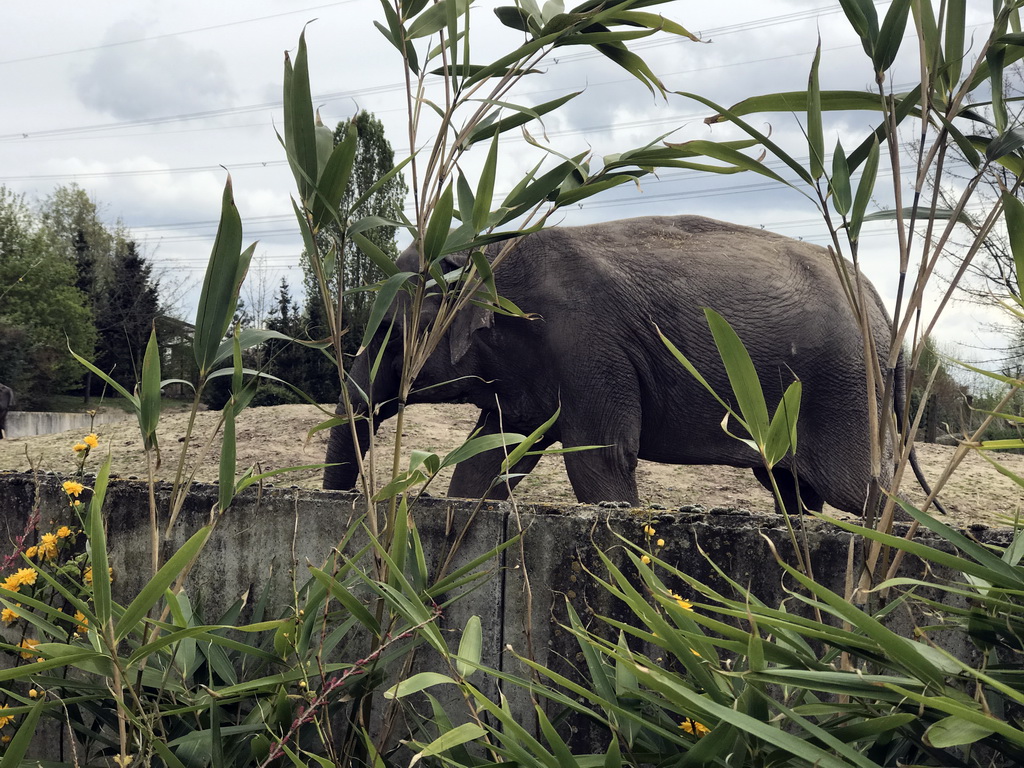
<point>28,644</point>
<point>11,583</point>
<point>660,542</point>
<point>63,532</point>
<point>48,547</point>
<point>91,440</point>
<point>648,530</point>
<point>7,616</point>
<point>83,622</point>
<point>88,575</point>
<point>692,726</point>
<point>71,488</point>
<point>31,551</point>
<point>645,560</point>
<point>26,576</point>
<point>33,693</point>
<point>79,447</point>
<point>5,719</point>
<point>686,605</point>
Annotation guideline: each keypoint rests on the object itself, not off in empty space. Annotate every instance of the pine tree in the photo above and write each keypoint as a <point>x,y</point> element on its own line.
<point>128,309</point>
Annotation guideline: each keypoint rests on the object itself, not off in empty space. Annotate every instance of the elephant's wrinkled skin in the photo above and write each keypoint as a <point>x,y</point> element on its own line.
<point>600,290</point>
<point>6,401</point>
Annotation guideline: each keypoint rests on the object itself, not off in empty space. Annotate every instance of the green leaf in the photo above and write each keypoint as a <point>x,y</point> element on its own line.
<point>460,734</point>
<point>15,751</point>
<point>1013,212</point>
<point>224,275</point>
<point>150,594</point>
<point>890,35</point>
<point>746,386</point>
<point>228,453</point>
<point>485,188</point>
<point>343,595</point>
<point>956,28</point>
<point>98,549</point>
<point>381,304</point>
<point>865,188</point>
<point>418,682</point>
<point>954,731</point>
<point>815,136</point>
<point>839,184</point>
<point>299,128</point>
<point>470,647</point>
<point>373,252</point>
<point>864,20</point>
<point>149,394</point>
<point>332,183</point>
<point>434,19</point>
<point>438,226</point>
<point>781,438</point>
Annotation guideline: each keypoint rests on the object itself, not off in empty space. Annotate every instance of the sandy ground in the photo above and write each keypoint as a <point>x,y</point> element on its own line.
<point>277,437</point>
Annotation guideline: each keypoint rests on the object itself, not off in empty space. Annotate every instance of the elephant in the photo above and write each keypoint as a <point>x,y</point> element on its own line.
<point>6,401</point>
<point>596,294</point>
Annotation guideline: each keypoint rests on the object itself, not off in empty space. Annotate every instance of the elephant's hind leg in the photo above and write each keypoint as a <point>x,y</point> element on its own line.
<point>796,495</point>
<point>474,477</point>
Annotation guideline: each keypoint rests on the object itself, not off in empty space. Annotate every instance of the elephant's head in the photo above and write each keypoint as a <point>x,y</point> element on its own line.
<point>375,398</point>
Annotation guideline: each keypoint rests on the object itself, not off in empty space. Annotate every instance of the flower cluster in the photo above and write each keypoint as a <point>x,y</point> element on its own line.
<point>89,442</point>
<point>694,728</point>
<point>49,544</point>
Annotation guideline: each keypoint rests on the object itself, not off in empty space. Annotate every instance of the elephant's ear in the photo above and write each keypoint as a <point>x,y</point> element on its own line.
<point>467,322</point>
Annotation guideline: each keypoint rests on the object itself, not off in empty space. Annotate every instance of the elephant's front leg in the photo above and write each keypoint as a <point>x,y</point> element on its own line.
<point>606,472</point>
<point>474,477</point>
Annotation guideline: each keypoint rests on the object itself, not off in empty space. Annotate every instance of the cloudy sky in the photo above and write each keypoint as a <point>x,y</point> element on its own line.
<point>145,104</point>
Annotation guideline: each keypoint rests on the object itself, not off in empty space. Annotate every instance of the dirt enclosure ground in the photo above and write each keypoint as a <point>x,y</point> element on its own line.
<point>276,437</point>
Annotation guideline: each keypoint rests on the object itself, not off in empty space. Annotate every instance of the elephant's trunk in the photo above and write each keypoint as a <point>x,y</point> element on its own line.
<point>342,451</point>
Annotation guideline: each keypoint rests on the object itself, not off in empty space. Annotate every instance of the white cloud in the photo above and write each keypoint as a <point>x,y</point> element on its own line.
<point>166,77</point>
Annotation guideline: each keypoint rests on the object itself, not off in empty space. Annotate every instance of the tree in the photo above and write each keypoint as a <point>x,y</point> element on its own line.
<point>373,159</point>
<point>41,303</point>
<point>128,308</point>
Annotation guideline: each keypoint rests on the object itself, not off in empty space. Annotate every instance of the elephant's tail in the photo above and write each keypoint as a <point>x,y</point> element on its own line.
<point>899,401</point>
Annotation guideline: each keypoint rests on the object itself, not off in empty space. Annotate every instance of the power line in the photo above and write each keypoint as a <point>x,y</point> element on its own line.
<point>392,87</point>
<point>166,35</point>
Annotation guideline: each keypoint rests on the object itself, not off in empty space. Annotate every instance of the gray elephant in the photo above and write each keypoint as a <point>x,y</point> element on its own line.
<point>6,401</point>
<point>599,290</point>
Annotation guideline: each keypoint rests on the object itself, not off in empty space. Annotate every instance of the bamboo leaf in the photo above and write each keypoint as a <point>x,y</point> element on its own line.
<point>333,181</point>
<point>485,188</point>
<point>954,731</point>
<point>1013,212</point>
<point>865,188</point>
<point>746,386</point>
<point>299,129</point>
<point>98,549</point>
<point>418,682</point>
<point>150,594</point>
<point>15,750</point>
<point>842,195</point>
<point>434,19</point>
<point>460,734</point>
<point>149,394</point>
<point>373,252</point>
<point>470,647</point>
<point>956,29</point>
<point>890,35</point>
<point>438,227</point>
<point>381,304</point>
<point>815,136</point>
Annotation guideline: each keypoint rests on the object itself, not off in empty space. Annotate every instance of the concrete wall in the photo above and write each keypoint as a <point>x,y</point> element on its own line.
<point>283,529</point>
<point>28,423</point>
